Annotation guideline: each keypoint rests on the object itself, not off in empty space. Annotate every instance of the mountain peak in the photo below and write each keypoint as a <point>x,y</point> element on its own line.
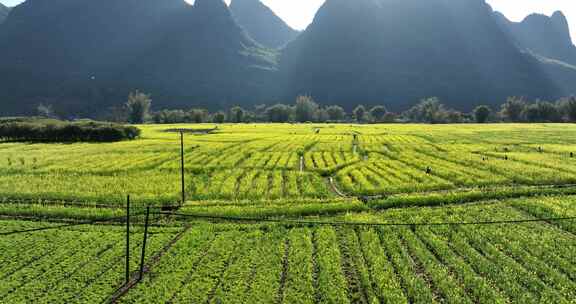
<point>4,10</point>
<point>547,36</point>
<point>501,17</point>
<point>244,2</point>
<point>561,23</point>
<point>536,17</point>
<point>248,4</point>
<point>210,5</point>
<point>182,54</point>
<point>559,15</point>
<point>213,13</point>
<point>557,23</point>
<point>261,23</point>
<point>368,48</point>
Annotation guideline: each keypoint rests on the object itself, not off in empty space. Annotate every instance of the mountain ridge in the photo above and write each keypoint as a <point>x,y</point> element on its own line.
<point>71,54</point>
<point>4,11</point>
<point>366,50</point>
<point>87,61</point>
<point>547,39</point>
<point>262,23</point>
<point>545,35</point>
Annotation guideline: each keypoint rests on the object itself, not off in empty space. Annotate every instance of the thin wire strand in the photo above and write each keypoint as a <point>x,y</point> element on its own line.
<point>297,222</point>
<point>287,221</point>
<point>65,225</point>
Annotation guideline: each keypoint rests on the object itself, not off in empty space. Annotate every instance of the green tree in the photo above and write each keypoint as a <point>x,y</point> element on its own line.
<point>198,115</point>
<point>321,115</point>
<point>138,106</point>
<point>513,109</point>
<point>567,107</point>
<point>336,113</point>
<point>451,116</point>
<point>46,111</point>
<point>390,117</point>
<point>360,113</point>
<point>260,112</point>
<point>118,114</point>
<point>548,112</point>
<point>305,109</point>
<point>542,111</point>
<point>378,113</point>
<point>279,113</point>
<point>531,113</point>
<point>237,114</point>
<point>429,110</point>
<point>218,118</point>
<point>169,116</point>
<point>482,113</point>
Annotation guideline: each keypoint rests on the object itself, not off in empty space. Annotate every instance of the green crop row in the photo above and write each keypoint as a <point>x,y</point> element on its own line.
<point>80,265</point>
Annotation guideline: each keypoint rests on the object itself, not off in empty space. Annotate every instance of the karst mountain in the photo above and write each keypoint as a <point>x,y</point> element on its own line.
<point>84,56</point>
<point>262,24</point>
<point>4,10</point>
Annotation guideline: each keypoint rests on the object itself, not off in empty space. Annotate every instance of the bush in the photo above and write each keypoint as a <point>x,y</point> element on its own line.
<point>359,113</point>
<point>279,113</point>
<point>513,109</point>
<point>61,131</point>
<point>378,113</point>
<point>482,113</point>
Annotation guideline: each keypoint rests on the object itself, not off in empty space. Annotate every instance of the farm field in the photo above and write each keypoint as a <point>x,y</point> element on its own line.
<point>282,213</point>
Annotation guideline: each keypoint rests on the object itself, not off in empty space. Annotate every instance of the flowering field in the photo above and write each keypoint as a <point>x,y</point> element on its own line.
<point>295,214</point>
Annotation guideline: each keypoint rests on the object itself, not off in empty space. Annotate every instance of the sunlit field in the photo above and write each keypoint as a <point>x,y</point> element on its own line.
<point>303,213</point>
<point>290,162</point>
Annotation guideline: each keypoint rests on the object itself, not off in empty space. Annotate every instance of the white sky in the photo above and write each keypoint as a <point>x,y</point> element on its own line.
<point>516,10</point>
<point>299,13</point>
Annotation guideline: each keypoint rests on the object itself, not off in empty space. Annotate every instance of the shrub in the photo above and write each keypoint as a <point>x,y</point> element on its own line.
<point>359,113</point>
<point>482,113</point>
<point>61,131</point>
<point>378,113</point>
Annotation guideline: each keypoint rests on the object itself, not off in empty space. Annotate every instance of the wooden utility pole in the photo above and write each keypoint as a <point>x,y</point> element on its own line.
<point>182,168</point>
<point>127,239</point>
<point>144,243</point>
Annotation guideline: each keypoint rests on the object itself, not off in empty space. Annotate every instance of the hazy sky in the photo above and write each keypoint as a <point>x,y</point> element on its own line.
<point>299,13</point>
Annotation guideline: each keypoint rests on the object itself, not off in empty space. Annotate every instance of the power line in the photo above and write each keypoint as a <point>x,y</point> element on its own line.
<point>66,225</point>
<point>40,229</point>
<point>297,222</point>
<point>302,222</point>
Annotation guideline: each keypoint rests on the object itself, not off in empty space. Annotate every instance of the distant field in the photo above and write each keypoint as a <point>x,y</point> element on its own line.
<point>218,249</point>
<point>262,162</point>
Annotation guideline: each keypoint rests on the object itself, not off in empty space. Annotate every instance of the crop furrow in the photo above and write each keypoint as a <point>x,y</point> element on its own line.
<point>284,274</point>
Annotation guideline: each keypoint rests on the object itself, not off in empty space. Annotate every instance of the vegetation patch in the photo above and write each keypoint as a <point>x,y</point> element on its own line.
<point>431,213</point>
<point>192,131</point>
<point>50,130</point>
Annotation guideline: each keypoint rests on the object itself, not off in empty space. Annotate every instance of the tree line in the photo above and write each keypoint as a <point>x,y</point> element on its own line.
<point>51,130</point>
<point>137,110</point>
